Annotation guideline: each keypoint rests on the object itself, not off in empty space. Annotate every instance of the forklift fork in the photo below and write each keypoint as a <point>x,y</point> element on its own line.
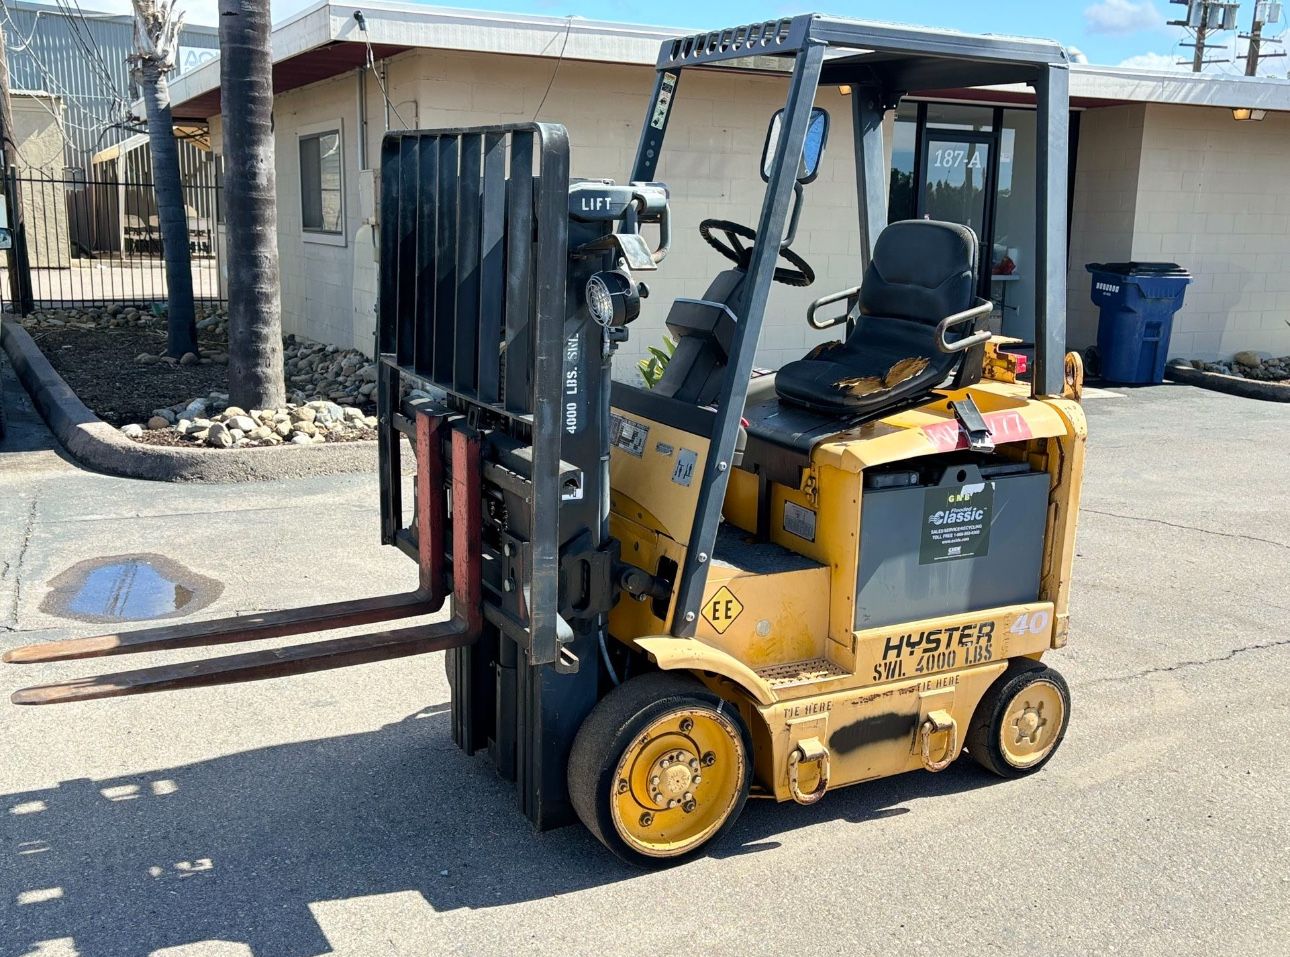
<point>462,629</point>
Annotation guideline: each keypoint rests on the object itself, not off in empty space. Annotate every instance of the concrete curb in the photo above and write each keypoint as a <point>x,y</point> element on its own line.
<point>99,446</point>
<point>1231,384</point>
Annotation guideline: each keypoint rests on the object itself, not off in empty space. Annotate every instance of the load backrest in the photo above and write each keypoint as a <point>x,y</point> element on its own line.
<point>921,270</point>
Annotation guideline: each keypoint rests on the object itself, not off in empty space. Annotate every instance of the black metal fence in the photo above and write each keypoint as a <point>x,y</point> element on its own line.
<point>93,235</point>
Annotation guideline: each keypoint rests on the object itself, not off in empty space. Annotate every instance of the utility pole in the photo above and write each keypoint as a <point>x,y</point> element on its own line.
<point>19,268</point>
<point>1204,18</point>
<point>1264,14</point>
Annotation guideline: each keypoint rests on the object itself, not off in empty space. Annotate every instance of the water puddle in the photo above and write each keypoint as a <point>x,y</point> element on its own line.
<point>123,588</point>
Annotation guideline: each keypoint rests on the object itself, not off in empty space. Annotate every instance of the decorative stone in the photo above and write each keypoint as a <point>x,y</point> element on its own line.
<point>132,431</point>
<point>157,422</point>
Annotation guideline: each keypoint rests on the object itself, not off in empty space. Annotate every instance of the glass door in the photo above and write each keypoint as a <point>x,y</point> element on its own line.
<point>956,175</point>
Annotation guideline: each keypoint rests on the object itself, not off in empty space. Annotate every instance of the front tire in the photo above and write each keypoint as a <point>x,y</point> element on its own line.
<point>1021,720</point>
<point>660,769</point>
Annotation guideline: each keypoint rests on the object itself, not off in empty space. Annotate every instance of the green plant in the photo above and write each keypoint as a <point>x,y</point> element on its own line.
<point>652,368</point>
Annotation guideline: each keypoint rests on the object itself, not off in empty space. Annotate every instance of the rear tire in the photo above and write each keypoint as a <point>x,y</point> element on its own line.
<point>1020,721</point>
<point>660,769</point>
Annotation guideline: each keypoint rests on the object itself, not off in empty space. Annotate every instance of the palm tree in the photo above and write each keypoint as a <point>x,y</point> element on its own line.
<point>156,41</point>
<point>250,206</point>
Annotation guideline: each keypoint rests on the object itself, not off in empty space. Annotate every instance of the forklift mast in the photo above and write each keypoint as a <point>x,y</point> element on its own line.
<point>487,249</point>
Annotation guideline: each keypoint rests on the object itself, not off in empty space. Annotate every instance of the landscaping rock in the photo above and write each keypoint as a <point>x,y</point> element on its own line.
<point>219,436</point>
<point>243,423</point>
<point>132,431</point>
<point>1251,360</point>
<point>157,422</point>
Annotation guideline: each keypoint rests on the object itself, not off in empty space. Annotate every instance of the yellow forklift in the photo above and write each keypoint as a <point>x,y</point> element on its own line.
<point>665,600</point>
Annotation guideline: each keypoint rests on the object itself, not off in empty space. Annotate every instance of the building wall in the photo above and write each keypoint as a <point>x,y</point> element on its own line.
<point>1152,182</point>
<point>1213,195</point>
<point>1104,209</point>
<point>1188,185</point>
<point>39,159</point>
<point>711,161</point>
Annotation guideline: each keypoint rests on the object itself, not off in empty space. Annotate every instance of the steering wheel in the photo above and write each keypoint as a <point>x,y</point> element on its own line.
<point>800,275</point>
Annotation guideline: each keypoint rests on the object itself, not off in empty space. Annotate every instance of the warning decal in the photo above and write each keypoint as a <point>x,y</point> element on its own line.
<point>721,610</point>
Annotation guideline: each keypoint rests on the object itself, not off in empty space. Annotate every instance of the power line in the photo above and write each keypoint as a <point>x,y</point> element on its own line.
<point>568,28</point>
<point>371,65</point>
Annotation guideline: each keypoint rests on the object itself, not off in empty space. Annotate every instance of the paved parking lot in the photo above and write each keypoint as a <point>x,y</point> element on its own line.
<point>332,815</point>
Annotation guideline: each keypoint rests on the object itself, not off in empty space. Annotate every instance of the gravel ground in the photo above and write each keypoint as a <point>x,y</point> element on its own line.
<point>99,366</point>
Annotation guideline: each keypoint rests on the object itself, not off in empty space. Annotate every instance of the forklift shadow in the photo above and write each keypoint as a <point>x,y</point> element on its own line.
<point>241,847</point>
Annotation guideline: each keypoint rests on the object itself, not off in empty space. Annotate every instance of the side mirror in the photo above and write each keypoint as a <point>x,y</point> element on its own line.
<point>817,134</point>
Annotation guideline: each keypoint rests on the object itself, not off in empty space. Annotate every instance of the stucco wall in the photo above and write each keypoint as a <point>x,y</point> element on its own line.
<point>710,160</point>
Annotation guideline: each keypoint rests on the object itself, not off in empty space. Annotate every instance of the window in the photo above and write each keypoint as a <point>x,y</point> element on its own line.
<point>321,199</point>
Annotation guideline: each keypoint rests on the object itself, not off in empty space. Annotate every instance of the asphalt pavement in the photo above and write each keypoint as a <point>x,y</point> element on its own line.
<point>331,814</point>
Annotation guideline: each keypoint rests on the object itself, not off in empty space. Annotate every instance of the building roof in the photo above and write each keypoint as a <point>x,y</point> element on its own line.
<point>326,40</point>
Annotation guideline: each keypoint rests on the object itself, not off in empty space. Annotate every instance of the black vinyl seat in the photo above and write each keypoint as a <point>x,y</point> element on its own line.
<point>922,272</point>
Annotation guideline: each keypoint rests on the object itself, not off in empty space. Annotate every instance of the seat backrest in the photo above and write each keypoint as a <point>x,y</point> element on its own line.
<point>922,270</point>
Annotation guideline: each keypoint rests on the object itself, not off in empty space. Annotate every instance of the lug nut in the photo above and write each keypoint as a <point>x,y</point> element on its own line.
<point>694,764</point>
<point>647,819</point>
<point>688,807</point>
<point>698,778</point>
<point>658,797</point>
<point>689,796</point>
<point>709,759</point>
<point>686,726</point>
<point>673,803</point>
<point>654,780</point>
<point>665,762</point>
<point>622,786</point>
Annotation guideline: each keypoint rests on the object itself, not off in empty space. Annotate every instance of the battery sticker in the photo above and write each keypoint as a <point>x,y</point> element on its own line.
<point>956,523</point>
<point>683,473</point>
<point>628,435</point>
<point>799,521</point>
<point>664,101</point>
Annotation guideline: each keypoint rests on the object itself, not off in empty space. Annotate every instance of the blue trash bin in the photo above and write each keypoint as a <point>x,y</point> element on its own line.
<point>1138,302</point>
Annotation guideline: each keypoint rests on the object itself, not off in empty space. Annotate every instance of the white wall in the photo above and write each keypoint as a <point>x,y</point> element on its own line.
<point>1153,182</point>
<point>710,160</point>
<point>1193,186</point>
<point>1213,195</point>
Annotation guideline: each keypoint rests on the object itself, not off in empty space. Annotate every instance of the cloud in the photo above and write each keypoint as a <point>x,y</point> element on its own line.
<point>1160,62</point>
<point>1122,16</point>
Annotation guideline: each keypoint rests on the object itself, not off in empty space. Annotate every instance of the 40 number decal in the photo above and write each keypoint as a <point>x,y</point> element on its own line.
<point>1031,623</point>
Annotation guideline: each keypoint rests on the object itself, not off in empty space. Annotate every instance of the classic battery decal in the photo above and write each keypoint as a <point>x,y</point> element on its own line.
<point>1005,426</point>
<point>721,610</point>
<point>664,101</point>
<point>683,473</point>
<point>956,523</point>
<point>628,435</point>
<point>799,521</point>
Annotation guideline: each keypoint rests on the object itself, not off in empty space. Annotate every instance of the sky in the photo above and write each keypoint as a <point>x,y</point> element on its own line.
<point>1113,32</point>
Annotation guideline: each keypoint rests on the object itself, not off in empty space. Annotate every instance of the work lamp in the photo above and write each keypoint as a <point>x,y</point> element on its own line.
<point>613,298</point>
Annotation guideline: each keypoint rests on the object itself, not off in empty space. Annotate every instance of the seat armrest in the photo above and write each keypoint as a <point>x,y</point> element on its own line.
<point>852,296</point>
<point>983,307</point>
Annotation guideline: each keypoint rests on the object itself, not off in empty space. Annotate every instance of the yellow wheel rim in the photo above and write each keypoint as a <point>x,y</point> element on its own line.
<point>678,782</point>
<point>1032,724</point>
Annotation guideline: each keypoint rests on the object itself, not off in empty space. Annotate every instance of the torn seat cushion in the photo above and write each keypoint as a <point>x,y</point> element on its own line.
<point>921,272</point>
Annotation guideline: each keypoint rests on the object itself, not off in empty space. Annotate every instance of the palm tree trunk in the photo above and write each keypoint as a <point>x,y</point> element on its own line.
<point>181,322</point>
<point>250,206</point>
